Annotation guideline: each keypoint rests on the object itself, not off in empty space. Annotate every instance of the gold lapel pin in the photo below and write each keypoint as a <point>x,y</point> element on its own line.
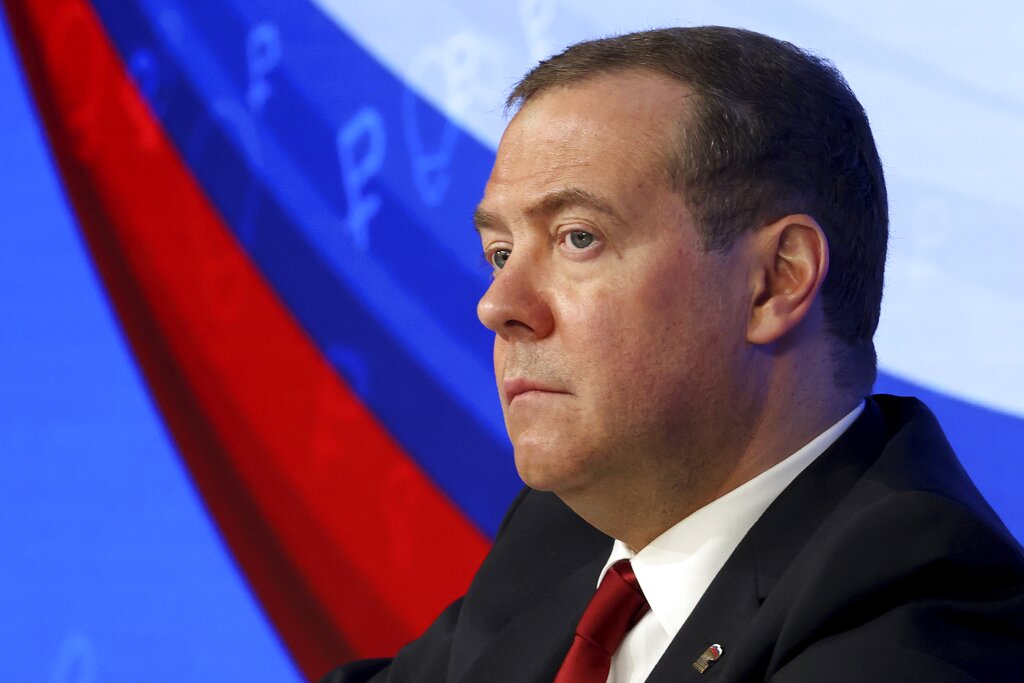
<point>707,657</point>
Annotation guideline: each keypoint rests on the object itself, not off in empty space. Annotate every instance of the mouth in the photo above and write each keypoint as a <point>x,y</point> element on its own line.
<point>519,386</point>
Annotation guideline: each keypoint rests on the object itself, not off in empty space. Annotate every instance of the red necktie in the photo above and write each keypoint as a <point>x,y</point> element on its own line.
<point>615,608</point>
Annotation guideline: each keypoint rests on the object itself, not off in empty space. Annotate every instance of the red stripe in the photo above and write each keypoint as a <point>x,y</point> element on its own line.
<point>351,549</point>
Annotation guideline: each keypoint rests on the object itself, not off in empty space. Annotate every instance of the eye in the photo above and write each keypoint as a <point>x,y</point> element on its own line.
<point>499,257</point>
<point>580,239</point>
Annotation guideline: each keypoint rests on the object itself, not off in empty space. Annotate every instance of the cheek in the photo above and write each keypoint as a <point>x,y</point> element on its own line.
<point>650,336</point>
<point>615,345</point>
<point>637,318</point>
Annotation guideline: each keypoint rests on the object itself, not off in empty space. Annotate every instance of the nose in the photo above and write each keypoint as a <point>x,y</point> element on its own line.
<point>514,306</point>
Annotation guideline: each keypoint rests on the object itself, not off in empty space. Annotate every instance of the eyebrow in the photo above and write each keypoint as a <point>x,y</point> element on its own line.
<point>551,203</point>
<point>483,219</point>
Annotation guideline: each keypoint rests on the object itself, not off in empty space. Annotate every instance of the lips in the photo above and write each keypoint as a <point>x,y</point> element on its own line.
<point>518,386</point>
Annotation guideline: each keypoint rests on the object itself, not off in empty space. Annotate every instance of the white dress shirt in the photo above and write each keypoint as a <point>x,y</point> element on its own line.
<point>677,567</point>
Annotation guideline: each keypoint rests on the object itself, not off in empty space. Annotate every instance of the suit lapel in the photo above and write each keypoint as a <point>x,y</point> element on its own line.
<point>731,603</point>
<point>521,611</point>
<point>533,644</point>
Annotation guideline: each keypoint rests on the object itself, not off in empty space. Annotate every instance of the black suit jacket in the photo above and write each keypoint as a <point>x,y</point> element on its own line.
<point>880,562</point>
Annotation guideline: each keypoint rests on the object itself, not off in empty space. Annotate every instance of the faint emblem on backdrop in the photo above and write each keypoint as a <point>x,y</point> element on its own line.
<point>76,661</point>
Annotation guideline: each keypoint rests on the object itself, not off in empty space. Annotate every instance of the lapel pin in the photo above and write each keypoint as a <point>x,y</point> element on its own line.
<point>707,657</point>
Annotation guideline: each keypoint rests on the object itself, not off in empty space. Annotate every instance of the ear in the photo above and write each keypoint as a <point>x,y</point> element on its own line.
<point>791,264</point>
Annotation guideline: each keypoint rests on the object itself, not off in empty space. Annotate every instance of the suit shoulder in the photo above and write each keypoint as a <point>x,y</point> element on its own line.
<point>905,531</point>
<point>914,574</point>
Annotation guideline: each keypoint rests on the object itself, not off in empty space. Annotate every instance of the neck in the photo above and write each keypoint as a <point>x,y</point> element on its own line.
<point>773,424</point>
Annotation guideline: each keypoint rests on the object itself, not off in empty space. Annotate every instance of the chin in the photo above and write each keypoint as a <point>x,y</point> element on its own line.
<point>536,475</point>
<point>548,469</point>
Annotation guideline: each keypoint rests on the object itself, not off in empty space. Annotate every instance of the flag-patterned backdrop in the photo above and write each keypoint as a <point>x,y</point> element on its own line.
<point>248,427</point>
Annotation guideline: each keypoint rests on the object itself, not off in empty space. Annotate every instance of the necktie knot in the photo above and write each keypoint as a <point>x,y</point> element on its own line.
<point>615,608</point>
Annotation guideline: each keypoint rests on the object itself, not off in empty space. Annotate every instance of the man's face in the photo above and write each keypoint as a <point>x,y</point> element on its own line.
<point>619,342</point>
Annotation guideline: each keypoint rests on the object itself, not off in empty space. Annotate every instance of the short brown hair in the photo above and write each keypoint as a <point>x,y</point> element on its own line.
<point>771,130</point>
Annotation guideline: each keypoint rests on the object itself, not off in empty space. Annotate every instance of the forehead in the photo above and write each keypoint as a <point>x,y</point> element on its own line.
<point>608,134</point>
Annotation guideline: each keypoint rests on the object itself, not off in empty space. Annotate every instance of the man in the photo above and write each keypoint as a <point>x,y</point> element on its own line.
<point>688,230</point>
